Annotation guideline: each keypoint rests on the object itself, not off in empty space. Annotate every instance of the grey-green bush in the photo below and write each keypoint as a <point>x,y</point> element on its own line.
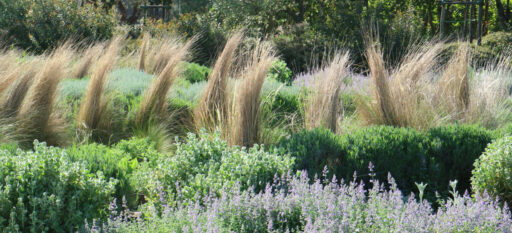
<point>44,191</point>
<point>207,164</point>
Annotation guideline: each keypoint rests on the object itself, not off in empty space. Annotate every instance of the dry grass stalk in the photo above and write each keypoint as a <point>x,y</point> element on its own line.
<point>454,83</point>
<point>36,108</point>
<point>10,77</point>
<point>13,99</point>
<point>401,98</point>
<point>489,91</point>
<point>323,107</point>
<point>153,105</point>
<point>92,107</point>
<point>141,65</point>
<point>245,115</point>
<point>160,53</point>
<point>90,56</point>
<point>213,103</point>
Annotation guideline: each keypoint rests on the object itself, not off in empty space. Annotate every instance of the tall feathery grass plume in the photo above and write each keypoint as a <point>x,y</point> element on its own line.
<point>323,106</point>
<point>454,83</point>
<point>88,57</point>
<point>245,113</point>
<point>13,98</point>
<point>490,94</point>
<point>7,78</point>
<point>399,97</point>
<point>34,114</point>
<point>213,104</point>
<point>141,63</point>
<point>93,106</point>
<point>159,54</point>
<point>153,106</point>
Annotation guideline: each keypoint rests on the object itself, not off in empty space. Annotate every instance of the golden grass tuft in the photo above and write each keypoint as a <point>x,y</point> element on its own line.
<point>159,54</point>
<point>93,106</point>
<point>323,107</point>
<point>245,113</point>
<point>153,105</point>
<point>401,99</point>
<point>141,65</point>
<point>89,57</point>
<point>213,103</point>
<point>454,83</point>
<point>12,100</point>
<point>36,108</point>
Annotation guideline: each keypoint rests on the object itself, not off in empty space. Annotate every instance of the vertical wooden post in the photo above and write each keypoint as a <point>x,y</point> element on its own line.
<point>443,15</point>
<point>480,12</point>
<point>472,9</point>
<point>465,28</point>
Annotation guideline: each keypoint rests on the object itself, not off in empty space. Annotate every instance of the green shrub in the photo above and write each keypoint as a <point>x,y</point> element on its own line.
<point>493,170</point>
<point>498,42</point>
<point>455,148</point>
<point>40,25</point>
<point>44,191</point>
<point>434,157</point>
<point>402,152</point>
<point>195,73</point>
<point>280,72</point>
<point>207,164</point>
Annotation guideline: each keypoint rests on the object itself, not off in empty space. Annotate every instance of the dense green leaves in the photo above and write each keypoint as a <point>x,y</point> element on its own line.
<point>435,157</point>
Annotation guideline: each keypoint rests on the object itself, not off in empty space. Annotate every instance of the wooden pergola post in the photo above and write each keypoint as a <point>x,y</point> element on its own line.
<point>467,22</point>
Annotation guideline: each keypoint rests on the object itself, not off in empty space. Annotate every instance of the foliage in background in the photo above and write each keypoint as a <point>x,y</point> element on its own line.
<point>41,25</point>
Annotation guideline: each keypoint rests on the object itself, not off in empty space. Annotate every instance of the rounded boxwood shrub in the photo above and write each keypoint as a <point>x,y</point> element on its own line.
<point>455,148</point>
<point>493,170</point>
<point>434,157</point>
<point>400,151</point>
<point>44,191</point>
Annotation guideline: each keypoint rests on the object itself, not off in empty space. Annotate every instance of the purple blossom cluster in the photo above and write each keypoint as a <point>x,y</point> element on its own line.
<point>297,204</point>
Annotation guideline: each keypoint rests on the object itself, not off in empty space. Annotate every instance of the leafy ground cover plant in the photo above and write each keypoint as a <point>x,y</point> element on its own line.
<point>44,191</point>
<point>205,164</point>
<point>297,204</point>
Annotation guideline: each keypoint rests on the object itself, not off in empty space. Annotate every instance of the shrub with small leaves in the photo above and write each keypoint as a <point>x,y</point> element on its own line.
<point>195,73</point>
<point>493,170</point>
<point>280,72</point>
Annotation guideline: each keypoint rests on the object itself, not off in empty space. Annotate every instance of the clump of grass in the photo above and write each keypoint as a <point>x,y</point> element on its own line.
<point>213,103</point>
<point>13,98</point>
<point>245,114</point>
<point>323,105</point>
<point>159,54</point>
<point>34,114</point>
<point>93,110</point>
<point>454,83</point>
<point>399,97</point>
<point>153,105</point>
<point>141,65</point>
<point>89,56</point>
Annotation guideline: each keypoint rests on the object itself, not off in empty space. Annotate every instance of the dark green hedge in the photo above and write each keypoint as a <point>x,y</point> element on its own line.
<point>434,157</point>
